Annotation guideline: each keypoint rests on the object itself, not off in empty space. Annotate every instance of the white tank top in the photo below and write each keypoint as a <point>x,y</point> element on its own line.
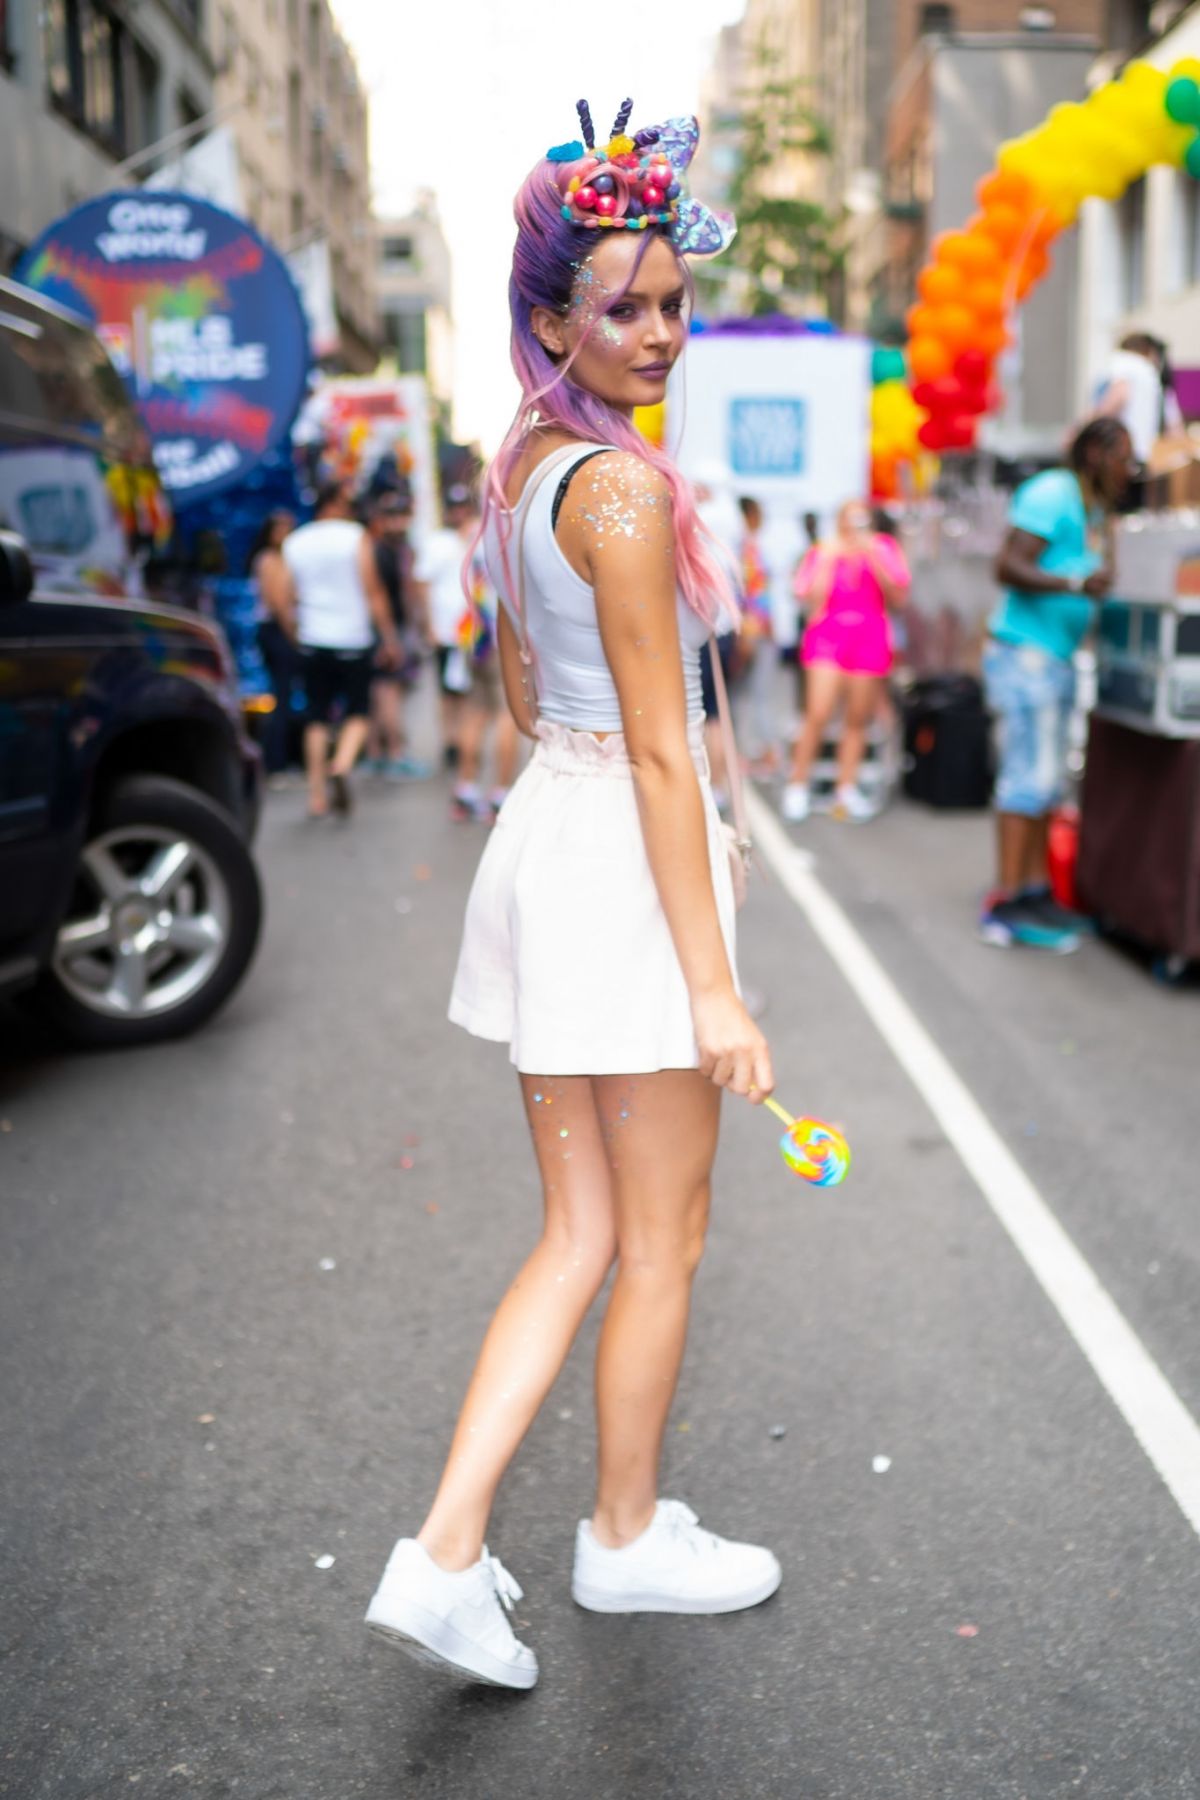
<point>331,602</point>
<point>574,683</point>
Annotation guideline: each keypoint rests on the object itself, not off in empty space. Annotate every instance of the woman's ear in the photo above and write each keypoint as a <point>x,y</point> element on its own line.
<point>548,330</point>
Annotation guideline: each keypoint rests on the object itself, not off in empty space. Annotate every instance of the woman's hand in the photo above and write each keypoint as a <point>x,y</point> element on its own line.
<point>733,1051</point>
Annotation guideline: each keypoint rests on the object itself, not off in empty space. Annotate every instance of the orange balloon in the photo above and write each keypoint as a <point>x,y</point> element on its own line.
<point>956,326</point>
<point>938,283</point>
<point>986,299</point>
<point>922,321</point>
<point>1046,229</point>
<point>928,358</point>
<point>970,251</point>
<point>1005,225</point>
<point>991,339</point>
<point>1004,187</point>
<point>1036,264</point>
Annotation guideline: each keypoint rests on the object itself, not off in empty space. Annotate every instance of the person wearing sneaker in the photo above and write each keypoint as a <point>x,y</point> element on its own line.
<point>848,586</point>
<point>1055,564</point>
<point>599,937</point>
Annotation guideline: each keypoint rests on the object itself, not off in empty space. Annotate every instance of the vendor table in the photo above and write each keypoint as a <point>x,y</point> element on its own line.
<point>1139,836</point>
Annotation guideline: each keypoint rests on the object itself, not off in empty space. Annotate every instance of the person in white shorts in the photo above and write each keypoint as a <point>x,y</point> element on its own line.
<point>599,936</point>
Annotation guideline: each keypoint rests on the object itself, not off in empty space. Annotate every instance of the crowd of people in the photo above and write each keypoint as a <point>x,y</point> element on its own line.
<point>354,607</point>
<point>355,610</point>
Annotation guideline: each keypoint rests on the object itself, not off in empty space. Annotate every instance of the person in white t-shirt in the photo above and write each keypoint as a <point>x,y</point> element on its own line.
<point>1134,392</point>
<point>336,608</point>
<point>439,585</point>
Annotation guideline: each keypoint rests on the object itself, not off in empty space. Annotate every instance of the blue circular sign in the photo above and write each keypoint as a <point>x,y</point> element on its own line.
<point>200,316</point>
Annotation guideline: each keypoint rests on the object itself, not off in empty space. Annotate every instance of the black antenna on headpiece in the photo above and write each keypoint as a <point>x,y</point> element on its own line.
<point>585,120</point>
<point>622,120</point>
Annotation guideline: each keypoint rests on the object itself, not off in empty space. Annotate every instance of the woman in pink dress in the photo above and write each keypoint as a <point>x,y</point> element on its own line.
<point>848,585</point>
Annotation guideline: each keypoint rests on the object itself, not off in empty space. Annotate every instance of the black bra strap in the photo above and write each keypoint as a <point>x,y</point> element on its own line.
<point>565,483</point>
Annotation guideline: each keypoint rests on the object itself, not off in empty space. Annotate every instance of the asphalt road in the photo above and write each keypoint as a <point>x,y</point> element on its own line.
<point>197,1407</point>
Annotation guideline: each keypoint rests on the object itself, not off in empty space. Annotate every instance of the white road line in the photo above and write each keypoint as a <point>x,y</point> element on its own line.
<point>1147,1402</point>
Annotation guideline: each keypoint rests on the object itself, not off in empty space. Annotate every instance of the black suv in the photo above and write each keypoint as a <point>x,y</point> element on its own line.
<point>130,904</point>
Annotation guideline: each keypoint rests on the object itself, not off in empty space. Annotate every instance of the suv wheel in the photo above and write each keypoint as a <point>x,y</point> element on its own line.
<point>163,920</point>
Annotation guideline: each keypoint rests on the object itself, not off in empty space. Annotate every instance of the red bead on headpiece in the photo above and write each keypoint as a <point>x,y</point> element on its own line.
<point>626,186</point>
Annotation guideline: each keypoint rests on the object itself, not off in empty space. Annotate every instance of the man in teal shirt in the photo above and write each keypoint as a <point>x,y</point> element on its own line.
<point>1054,564</point>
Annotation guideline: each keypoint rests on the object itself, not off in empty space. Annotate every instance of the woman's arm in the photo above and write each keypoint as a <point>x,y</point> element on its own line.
<point>625,534</point>
<point>514,674</point>
<point>890,570</point>
<point>277,589</point>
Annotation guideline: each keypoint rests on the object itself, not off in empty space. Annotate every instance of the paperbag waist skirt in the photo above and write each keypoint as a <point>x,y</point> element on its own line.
<point>566,954</point>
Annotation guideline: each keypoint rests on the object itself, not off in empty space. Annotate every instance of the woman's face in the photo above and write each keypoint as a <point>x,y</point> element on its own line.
<point>635,337</point>
<point>854,519</point>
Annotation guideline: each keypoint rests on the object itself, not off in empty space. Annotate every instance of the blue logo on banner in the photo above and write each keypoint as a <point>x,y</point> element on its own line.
<point>201,318</point>
<point>767,436</point>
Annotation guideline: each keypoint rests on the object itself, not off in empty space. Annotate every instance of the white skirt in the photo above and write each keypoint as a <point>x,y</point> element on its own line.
<point>566,953</point>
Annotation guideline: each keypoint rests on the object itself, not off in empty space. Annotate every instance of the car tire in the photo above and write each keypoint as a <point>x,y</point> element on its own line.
<point>163,816</point>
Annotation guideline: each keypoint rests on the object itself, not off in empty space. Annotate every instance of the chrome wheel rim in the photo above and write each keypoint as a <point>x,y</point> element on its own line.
<point>148,924</point>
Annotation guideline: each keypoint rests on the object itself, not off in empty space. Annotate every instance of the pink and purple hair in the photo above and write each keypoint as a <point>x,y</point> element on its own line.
<point>547,259</point>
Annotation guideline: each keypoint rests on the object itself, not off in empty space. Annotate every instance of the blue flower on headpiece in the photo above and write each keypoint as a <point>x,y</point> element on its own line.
<point>566,152</point>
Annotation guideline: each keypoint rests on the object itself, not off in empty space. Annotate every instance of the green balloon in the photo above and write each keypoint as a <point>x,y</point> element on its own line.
<point>1191,160</point>
<point>887,364</point>
<point>1183,101</point>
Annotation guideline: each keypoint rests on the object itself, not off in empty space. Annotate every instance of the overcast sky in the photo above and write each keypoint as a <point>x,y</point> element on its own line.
<point>466,94</point>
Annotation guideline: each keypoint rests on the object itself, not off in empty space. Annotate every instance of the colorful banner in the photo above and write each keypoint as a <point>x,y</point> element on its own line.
<point>199,315</point>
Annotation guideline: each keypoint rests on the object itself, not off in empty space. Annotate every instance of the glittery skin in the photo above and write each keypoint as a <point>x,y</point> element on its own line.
<point>618,498</point>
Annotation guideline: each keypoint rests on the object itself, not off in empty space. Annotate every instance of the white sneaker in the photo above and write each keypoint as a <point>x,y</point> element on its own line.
<point>454,1620</point>
<point>795,804</point>
<point>674,1567</point>
<point>851,804</point>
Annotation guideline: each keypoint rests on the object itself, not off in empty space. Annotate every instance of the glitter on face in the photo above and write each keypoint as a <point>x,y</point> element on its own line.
<point>564,1132</point>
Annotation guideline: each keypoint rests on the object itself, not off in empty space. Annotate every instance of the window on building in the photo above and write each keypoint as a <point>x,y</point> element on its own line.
<point>397,249</point>
<point>95,73</point>
<point>1131,234</point>
<point>297,217</point>
<point>314,36</point>
<point>144,126</point>
<point>1183,240</point>
<point>404,336</point>
<point>6,54</point>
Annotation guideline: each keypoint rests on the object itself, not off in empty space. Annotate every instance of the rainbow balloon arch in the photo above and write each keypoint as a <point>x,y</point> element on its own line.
<point>930,398</point>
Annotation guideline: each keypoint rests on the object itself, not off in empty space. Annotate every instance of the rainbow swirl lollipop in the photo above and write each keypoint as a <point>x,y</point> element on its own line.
<point>811,1148</point>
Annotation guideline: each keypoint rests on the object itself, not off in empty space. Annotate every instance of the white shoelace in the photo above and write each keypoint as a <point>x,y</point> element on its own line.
<point>684,1524</point>
<point>508,1588</point>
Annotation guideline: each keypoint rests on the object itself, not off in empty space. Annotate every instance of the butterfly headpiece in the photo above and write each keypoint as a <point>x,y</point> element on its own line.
<point>635,182</point>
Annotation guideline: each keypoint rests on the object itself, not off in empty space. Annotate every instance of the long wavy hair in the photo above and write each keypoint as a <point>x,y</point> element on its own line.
<point>547,258</point>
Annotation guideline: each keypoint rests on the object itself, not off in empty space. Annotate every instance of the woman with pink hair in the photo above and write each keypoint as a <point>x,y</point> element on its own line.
<point>599,937</point>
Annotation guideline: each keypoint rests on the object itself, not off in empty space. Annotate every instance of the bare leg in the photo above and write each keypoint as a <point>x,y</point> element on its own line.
<point>450,708</point>
<point>387,732</point>
<point>661,1132</point>
<point>316,754</point>
<point>350,741</point>
<point>862,698</point>
<point>470,743</point>
<point>507,744</point>
<point>824,686</point>
<point>1036,870</point>
<point>528,1339</point>
<point>1014,835</point>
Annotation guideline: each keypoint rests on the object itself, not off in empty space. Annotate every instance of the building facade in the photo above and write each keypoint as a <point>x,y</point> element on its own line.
<point>1140,257</point>
<point>287,86</point>
<point>413,274</point>
<point>85,86</point>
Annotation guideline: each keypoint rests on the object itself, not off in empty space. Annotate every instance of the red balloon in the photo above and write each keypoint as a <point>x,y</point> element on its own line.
<point>960,433</point>
<point>946,395</point>
<point>932,434</point>
<point>923,394</point>
<point>971,367</point>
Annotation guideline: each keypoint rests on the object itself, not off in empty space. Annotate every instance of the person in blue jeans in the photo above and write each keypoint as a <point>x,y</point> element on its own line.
<point>1054,565</point>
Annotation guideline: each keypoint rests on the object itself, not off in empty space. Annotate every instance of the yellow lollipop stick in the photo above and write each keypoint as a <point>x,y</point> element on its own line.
<point>780,1112</point>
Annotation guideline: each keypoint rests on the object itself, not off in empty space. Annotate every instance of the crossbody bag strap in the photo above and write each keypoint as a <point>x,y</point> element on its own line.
<point>733,768</point>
